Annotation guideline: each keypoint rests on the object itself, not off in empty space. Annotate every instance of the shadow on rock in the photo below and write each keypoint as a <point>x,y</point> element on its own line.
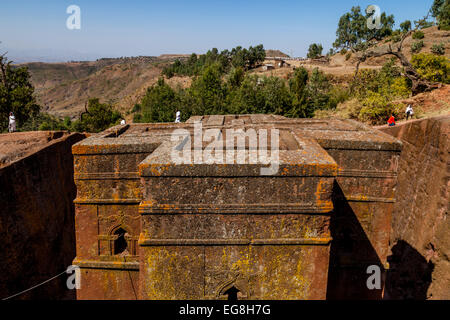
<point>409,275</point>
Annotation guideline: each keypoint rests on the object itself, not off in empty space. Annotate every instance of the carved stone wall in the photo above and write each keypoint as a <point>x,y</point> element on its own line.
<point>211,231</point>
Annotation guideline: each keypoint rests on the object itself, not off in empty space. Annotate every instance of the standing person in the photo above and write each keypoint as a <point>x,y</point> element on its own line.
<point>178,117</point>
<point>391,121</point>
<point>12,122</point>
<point>409,112</point>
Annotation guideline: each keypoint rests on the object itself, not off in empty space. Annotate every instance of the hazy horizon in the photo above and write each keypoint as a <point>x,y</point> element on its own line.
<point>36,31</point>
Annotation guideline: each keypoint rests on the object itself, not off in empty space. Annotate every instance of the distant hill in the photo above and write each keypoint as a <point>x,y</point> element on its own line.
<point>62,89</point>
<point>342,67</point>
<point>275,53</point>
<point>432,36</point>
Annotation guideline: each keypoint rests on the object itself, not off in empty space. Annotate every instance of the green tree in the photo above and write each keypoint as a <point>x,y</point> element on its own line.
<point>444,16</point>
<point>318,90</point>
<point>237,57</point>
<point>405,26</point>
<point>260,95</point>
<point>16,94</point>
<point>298,88</point>
<point>441,11</point>
<point>256,55</point>
<point>436,8</point>
<point>350,29</point>
<point>99,117</point>
<point>278,99</point>
<point>248,97</point>
<point>159,104</point>
<point>208,93</point>
<point>353,33</point>
<point>236,77</point>
<point>385,30</point>
<point>315,50</point>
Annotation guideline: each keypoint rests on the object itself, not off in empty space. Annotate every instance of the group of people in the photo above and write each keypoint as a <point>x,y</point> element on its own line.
<point>409,114</point>
<point>391,122</point>
<point>12,121</point>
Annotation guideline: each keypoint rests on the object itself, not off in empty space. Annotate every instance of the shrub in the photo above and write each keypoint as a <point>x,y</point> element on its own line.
<point>418,35</point>
<point>417,46</point>
<point>438,49</point>
<point>137,108</point>
<point>337,95</point>
<point>44,126</point>
<point>343,51</point>
<point>377,109</point>
<point>396,38</point>
<point>432,67</point>
<point>44,121</point>
<point>100,116</point>
<point>348,56</point>
<point>426,24</point>
<point>137,118</point>
<point>399,88</point>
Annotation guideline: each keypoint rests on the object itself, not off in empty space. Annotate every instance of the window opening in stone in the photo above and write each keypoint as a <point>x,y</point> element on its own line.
<point>232,293</point>
<point>120,243</point>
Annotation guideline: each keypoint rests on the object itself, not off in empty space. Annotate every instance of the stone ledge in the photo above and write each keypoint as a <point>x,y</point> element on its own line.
<point>107,176</point>
<point>237,242</point>
<point>117,265</point>
<point>366,173</point>
<point>147,208</point>
<point>107,201</point>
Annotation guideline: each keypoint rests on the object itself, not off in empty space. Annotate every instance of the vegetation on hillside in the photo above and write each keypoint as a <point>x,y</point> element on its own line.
<point>224,83</point>
<point>431,67</point>
<point>441,11</point>
<point>16,95</point>
<point>373,91</point>
<point>419,83</point>
<point>97,117</point>
<point>304,94</point>
<point>225,60</point>
<point>239,93</point>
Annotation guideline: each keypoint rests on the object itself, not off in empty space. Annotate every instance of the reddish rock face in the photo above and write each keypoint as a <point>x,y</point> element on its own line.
<point>420,238</point>
<point>36,213</point>
<point>149,227</point>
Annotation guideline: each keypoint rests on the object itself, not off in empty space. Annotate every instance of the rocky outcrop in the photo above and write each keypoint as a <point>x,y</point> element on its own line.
<point>36,214</point>
<point>420,238</point>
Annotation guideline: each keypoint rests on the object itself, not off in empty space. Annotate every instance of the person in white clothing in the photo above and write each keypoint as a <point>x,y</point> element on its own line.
<point>12,122</point>
<point>178,117</point>
<point>409,112</point>
<point>122,121</point>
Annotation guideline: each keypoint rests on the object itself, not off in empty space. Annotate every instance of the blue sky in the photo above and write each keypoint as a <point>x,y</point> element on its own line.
<point>36,30</point>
